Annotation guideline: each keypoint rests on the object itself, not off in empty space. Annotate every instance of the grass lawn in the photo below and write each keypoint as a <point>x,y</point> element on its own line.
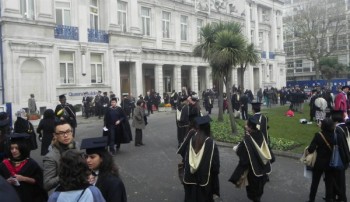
<point>286,132</point>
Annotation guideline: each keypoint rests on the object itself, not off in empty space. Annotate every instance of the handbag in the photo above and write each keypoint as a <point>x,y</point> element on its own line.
<point>308,159</point>
<point>336,161</point>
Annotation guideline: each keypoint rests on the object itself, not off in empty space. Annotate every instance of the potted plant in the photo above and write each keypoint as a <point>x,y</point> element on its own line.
<point>34,116</point>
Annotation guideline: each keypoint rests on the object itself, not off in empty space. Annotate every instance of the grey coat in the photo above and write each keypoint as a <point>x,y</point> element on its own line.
<point>51,164</point>
<point>138,120</point>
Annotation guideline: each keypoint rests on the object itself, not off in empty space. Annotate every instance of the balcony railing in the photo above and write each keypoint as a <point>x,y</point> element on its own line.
<point>272,55</point>
<point>99,36</point>
<point>66,32</point>
<point>263,54</point>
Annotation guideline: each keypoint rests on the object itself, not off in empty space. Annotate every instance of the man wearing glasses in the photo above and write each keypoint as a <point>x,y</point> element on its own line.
<point>63,140</point>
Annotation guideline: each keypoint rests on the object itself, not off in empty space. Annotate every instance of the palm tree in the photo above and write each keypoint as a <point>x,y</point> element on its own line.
<point>249,56</point>
<point>221,46</point>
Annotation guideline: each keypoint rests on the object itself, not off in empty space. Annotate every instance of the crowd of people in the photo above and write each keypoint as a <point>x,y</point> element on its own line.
<point>87,172</point>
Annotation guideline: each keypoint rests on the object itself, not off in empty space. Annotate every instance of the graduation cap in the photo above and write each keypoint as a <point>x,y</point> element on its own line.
<point>18,136</point>
<point>201,120</point>
<point>4,119</point>
<point>94,145</point>
<point>256,103</point>
<point>337,115</point>
<point>62,96</point>
<point>253,121</point>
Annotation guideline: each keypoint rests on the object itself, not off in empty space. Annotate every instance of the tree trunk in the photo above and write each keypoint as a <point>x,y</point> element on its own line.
<point>317,68</point>
<point>242,78</point>
<point>220,100</point>
<point>230,110</point>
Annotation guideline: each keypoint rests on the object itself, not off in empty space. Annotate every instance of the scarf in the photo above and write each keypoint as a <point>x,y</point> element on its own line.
<point>195,158</point>
<point>14,169</point>
<point>263,151</point>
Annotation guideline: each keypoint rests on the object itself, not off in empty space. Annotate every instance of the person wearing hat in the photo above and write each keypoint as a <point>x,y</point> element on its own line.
<point>208,102</point>
<point>68,111</point>
<point>201,163</point>
<point>32,104</point>
<point>254,161</point>
<point>263,120</point>
<point>63,140</point>
<point>105,174</point>
<point>86,103</point>
<point>22,125</point>
<point>46,129</point>
<point>105,102</point>
<point>114,120</point>
<point>125,104</point>
<point>340,101</point>
<point>138,122</point>
<point>98,104</point>
<point>4,130</point>
<point>341,132</point>
<point>21,171</point>
<point>73,184</point>
<point>314,96</point>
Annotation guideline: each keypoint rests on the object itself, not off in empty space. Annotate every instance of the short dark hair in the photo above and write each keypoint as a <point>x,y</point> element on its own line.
<point>327,125</point>
<point>114,99</point>
<point>61,121</point>
<point>74,171</point>
<point>138,103</point>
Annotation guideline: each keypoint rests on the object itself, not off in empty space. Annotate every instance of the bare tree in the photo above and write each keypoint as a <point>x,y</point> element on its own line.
<point>316,26</point>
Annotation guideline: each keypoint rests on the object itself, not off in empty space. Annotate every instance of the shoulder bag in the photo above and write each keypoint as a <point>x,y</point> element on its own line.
<point>336,161</point>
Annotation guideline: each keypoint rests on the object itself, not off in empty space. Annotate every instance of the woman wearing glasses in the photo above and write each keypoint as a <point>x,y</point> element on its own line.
<point>62,141</point>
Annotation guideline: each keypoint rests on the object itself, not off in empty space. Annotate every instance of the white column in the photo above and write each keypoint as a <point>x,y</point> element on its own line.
<point>177,30</point>
<point>134,16</point>
<point>208,78</point>
<point>194,79</point>
<point>250,74</point>
<point>280,25</point>
<point>247,22</point>
<point>256,29</point>
<point>158,32</point>
<point>158,77</point>
<point>266,44</point>
<point>138,71</point>
<point>83,22</point>
<point>115,78</point>
<point>177,78</point>
<point>274,31</point>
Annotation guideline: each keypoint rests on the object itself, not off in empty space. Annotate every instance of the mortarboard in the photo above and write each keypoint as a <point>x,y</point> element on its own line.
<point>19,137</point>
<point>256,103</point>
<point>200,120</point>
<point>4,119</point>
<point>253,120</point>
<point>94,145</point>
<point>62,96</point>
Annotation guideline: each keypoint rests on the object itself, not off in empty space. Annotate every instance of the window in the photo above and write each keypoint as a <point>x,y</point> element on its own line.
<point>66,67</point>
<point>199,27</point>
<point>146,21</point>
<point>299,63</point>
<point>27,8</point>
<point>184,25</point>
<point>63,13</point>
<point>94,12</point>
<point>166,24</point>
<point>122,13</point>
<point>96,68</point>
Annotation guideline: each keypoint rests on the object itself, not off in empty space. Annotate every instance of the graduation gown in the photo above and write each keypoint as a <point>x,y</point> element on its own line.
<point>26,191</point>
<point>204,182</point>
<point>69,111</point>
<point>250,160</point>
<point>112,188</point>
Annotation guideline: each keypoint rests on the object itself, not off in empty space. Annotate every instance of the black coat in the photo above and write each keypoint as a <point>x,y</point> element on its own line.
<point>26,191</point>
<point>69,112</point>
<point>112,188</point>
<point>123,129</point>
<point>324,152</point>
<point>46,128</point>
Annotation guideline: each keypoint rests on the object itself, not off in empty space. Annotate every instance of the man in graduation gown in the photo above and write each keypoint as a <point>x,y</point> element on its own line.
<point>68,112</point>
<point>262,119</point>
<point>254,161</point>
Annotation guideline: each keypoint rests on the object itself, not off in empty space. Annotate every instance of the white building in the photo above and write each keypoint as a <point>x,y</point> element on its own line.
<point>51,47</point>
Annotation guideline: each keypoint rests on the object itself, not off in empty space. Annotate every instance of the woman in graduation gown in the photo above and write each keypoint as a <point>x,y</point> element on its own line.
<point>201,165</point>
<point>105,174</point>
<point>22,172</point>
<point>253,161</point>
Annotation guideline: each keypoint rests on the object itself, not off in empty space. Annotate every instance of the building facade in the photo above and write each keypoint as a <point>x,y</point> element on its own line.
<point>299,65</point>
<point>53,47</point>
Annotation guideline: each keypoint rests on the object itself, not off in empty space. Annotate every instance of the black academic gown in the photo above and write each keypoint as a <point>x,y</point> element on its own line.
<point>249,160</point>
<point>204,183</point>
<point>69,112</point>
<point>26,191</point>
<point>263,125</point>
<point>112,188</point>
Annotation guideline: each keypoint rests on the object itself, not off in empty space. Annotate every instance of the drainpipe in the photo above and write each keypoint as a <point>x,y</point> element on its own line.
<point>2,67</point>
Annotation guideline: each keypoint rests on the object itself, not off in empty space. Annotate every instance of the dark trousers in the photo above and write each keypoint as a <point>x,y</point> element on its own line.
<point>181,134</point>
<point>340,185</point>
<point>138,136</point>
<point>98,110</point>
<point>244,112</point>
<point>114,137</point>
<point>149,109</point>
<point>316,176</point>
